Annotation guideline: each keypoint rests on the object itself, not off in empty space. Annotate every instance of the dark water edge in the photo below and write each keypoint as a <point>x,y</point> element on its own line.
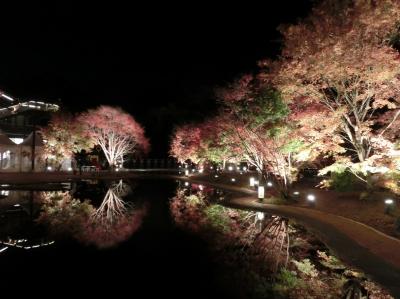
<point>158,259</point>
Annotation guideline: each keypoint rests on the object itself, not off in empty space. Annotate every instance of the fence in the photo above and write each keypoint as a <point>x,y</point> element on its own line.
<point>153,164</point>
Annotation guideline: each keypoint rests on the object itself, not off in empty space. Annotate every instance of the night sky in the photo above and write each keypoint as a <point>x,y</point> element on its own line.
<point>161,63</point>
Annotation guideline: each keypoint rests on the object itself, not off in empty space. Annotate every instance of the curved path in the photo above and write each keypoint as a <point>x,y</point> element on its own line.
<point>357,244</point>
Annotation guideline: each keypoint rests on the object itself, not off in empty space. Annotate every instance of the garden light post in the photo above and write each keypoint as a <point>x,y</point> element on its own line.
<point>389,205</point>
<point>261,193</point>
<point>311,200</point>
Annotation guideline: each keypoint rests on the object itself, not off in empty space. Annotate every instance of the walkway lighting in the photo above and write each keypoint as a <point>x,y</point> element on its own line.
<point>389,201</point>
<point>296,193</point>
<point>252,182</point>
<point>233,179</point>
<point>311,199</point>
<point>216,175</point>
<point>389,205</point>
<point>261,192</point>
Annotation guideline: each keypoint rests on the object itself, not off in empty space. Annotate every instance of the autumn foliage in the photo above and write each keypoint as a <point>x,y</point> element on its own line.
<point>115,131</point>
<point>64,136</point>
<point>332,95</point>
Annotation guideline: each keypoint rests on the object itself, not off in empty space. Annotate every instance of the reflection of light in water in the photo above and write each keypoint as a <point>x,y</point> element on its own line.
<point>3,249</point>
<point>115,220</point>
<point>113,207</point>
<point>5,192</point>
<point>24,244</point>
<point>112,222</point>
<point>265,237</point>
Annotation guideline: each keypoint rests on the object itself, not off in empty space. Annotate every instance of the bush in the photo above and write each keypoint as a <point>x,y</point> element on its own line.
<point>343,181</point>
<point>306,267</point>
<point>218,218</point>
<point>286,281</point>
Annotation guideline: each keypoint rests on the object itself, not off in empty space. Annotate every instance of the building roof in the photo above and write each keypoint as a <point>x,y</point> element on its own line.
<point>28,140</point>
<point>4,140</point>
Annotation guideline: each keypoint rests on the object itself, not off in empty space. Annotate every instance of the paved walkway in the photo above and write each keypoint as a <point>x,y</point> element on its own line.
<point>357,244</point>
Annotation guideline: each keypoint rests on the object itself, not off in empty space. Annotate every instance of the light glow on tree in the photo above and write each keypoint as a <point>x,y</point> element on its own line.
<point>116,132</point>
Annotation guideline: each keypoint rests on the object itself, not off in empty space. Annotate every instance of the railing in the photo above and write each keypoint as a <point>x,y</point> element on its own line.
<point>153,164</point>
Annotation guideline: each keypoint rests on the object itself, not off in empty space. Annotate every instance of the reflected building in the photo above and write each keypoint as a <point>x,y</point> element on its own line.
<point>18,230</point>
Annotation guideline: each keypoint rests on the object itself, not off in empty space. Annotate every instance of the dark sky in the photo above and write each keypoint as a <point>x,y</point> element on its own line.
<point>158,62</point>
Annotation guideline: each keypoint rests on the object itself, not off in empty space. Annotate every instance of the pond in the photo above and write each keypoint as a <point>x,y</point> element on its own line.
<point>160,236</point>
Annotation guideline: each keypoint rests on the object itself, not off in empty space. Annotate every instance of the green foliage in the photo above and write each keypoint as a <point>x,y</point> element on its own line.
<point>330,261</point>
<point>287,278</point>
<point>266,107</point>
<point>293,146</point>
<point>342,181</point>
<point>341,178</point>
<point>218,218</point>
<point>390,181</point>
<point>286,281</point>
<point>195,200</point>
<point>306,267</point>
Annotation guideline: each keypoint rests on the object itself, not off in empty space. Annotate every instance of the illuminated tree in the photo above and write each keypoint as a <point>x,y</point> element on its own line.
<point>217,142</point>
<point>340,69</point>
<point>64,136</point>
<point>115,131</point>
<point>259,119</point>
<point>185,144</point>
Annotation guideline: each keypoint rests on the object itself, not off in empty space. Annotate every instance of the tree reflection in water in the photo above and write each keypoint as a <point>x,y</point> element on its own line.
<point>114,221</point>
<point>259,239</point>
<point>251,251</point>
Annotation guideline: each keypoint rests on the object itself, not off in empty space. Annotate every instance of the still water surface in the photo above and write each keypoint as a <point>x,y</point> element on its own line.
<point>145,252</point>
<point>144,238</point>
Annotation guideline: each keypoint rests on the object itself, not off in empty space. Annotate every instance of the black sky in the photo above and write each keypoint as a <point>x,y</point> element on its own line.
<point>158,62</point>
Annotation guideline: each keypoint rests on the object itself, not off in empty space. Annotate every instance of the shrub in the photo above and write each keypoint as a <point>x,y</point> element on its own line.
<point>286,281</point>
<point>342,181</point>
<point>306,267</point>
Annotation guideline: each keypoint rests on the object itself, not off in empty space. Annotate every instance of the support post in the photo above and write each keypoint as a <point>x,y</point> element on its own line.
<point>33,148</point>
